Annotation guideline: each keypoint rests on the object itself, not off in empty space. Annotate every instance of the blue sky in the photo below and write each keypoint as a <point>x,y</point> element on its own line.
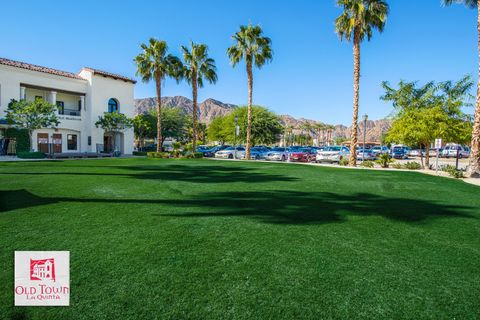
<point>310,76</point>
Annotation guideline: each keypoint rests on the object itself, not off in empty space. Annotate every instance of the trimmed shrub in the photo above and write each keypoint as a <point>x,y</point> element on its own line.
<point>139,153</point>
<point>368,164</point>
<point>158,155</point>
<point>384,160</point>
<point>413,165</point>
<point>451,170</point>
<point>343,162</point>
<point>31,155</point>
<point>21,137</point>
<point>397,165</point>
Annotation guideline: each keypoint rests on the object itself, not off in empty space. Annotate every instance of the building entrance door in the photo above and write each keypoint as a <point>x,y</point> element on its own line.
<point>57,142</point>
<point>42,142</point>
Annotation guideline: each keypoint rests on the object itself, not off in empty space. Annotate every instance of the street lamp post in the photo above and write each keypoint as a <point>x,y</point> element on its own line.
<point>235,138</point>
<point>365,118</point>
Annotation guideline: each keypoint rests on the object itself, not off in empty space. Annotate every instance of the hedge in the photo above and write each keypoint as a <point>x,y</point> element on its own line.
<point>21,137</point>
<point>158,155</point>
<point>31,155</point>
<point>139,153</point>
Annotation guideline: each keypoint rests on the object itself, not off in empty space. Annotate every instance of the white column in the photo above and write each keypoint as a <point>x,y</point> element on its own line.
<point>53,97</point>
<point>22,93</point>
<point>82,103</point>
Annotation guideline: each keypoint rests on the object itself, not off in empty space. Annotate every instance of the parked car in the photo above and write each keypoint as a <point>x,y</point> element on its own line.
<point>366,154</point>
<point>209,152</point>
<point>399,153</point>
<point>230,153</point>
<point>277,154</point>
<point>416,153</point>
<point>333,154</point>
<point>303,155</point>
<point>378,150</point>
<point>257,153</point>
<point>451,149</point>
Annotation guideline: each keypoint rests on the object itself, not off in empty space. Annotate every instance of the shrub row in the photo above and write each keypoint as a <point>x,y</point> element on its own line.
<point>139,153</point>
<point>165,155</point>
<point>31,155</point>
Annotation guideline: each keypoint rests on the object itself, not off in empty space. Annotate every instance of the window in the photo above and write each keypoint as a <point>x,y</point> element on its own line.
<point>71,142</point>
<point>61,107</point>
<point>113,105</point>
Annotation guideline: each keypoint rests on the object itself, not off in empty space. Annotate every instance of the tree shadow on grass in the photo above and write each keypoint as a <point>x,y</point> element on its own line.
<point>185,173</point>
<point>278,207</point>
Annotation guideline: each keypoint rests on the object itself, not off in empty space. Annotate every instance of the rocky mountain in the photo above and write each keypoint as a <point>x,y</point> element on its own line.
<point>211,108</point>
<point>207,110</point>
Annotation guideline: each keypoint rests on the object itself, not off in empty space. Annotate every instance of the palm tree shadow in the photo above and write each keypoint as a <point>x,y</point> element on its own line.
<point>277,207</point>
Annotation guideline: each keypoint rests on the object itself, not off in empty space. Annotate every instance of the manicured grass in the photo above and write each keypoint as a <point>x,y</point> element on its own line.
<point>202,239</point>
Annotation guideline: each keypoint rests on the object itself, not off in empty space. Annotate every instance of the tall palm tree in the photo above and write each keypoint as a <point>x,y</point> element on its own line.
<point>474,166</point>
<point>198,67</point>
<point>357,21</point>
<point>154,63</point>
<point>256,49</point>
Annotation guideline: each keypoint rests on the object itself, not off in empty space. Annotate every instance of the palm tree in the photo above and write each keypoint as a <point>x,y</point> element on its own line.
<point>154,63</point>
<point>251,45</point>
<point>474,166</point>
<point>198,67</point>
<point>357,21</point>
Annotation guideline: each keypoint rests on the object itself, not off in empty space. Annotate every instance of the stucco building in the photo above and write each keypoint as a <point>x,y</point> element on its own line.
<point>80,98</point>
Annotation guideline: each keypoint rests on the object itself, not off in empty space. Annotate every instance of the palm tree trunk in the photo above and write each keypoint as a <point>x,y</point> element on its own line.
<point>356,95</point>
<point>194,116</point>
<point>249,120</point>
<point>474,167</point>
<point>158,82</point>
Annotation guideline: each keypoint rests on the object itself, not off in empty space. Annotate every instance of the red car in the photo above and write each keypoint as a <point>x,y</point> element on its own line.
<point>303,155</point>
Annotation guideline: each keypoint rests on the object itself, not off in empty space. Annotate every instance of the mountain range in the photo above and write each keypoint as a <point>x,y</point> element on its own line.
<point>211,108</point>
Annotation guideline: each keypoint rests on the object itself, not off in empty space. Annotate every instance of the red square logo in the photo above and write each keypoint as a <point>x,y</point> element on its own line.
<point>42,269</point>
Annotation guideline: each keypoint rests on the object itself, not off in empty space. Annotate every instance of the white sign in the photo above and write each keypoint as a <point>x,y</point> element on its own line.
<point>438,143</point>
<point>237,129</point>
<point>42,278</point>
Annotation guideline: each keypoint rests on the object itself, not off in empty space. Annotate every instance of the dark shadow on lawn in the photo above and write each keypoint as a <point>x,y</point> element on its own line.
<point>187,173</point>
<point>280,207</point>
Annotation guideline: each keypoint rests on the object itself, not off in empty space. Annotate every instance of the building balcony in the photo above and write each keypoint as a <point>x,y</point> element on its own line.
<point>69,112</point>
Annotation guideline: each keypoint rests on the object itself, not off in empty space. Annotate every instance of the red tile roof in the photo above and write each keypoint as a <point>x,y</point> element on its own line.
<point>33,67</point>
<point>110,75</point>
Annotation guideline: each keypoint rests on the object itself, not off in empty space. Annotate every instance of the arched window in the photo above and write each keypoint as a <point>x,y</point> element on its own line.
<point>113,105</point>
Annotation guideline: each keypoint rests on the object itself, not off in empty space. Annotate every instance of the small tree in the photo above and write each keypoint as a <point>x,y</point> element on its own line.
<point>114,122</point>
<point>32,115</point>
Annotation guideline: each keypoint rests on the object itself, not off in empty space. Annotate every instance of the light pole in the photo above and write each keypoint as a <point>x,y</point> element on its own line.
<point>365,118</point>
<point>235,138</point>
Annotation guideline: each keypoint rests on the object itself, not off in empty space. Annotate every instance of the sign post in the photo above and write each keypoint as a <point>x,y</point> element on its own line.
<point>438,145</point>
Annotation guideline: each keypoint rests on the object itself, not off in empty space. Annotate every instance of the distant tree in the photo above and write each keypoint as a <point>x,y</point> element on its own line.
<point>425,113</point>
<point>256,49</point>
<point>474,167</point>
<point>114,122</point>
<point>357,22</point>
<point>154,63</point>
<point>31,115</point>
<point>198,67</point>
<point>144,127</point>
<point>216,131</point>
<point>266,127</point>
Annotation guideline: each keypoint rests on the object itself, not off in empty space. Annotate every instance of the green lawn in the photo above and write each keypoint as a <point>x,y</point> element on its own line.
<point>201,239</point>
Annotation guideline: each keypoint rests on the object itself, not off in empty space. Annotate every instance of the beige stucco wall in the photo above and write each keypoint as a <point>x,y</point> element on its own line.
<point>96,89</point>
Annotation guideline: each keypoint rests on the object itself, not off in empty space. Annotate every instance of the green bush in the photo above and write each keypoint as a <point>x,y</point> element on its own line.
<point>196,155</point>
<point>397,165</point>
<point>451,170</point>
<point>384,160</point>
<point>368,164</point>
<point>31,155</point>
<point>139,153</point>
<point>158,155</point>
<point>343,162</point>
<point>413,165</point>
<point>21,137</point>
